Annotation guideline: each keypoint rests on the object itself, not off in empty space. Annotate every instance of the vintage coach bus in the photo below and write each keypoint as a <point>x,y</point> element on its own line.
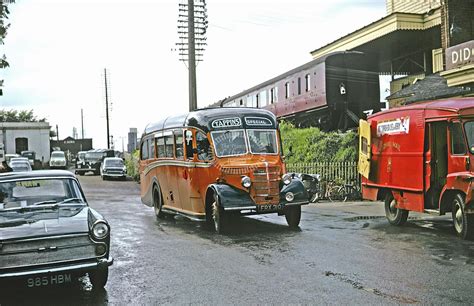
<point>211,163</point>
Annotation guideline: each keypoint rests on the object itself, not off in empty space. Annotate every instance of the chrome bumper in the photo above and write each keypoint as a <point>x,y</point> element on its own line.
<point>101,264</point>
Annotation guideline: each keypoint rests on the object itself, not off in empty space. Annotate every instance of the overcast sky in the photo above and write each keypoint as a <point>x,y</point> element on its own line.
<point>58,50</point>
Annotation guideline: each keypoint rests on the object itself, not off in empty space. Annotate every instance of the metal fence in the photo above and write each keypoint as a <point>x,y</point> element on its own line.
<point>339,172</point>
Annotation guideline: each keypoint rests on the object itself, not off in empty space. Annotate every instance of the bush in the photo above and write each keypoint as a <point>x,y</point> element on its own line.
<point>131,162</point>
<point>309,145</point>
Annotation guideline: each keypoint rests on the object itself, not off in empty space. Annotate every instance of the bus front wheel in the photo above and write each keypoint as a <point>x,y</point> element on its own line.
<point>158,202</point>
<point>395,216</point>
<point>293,215</point>
<point>463,223</point>
<point>218,216</point>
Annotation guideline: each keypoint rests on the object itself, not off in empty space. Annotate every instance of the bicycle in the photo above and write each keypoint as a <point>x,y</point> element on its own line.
<point>346,192</point>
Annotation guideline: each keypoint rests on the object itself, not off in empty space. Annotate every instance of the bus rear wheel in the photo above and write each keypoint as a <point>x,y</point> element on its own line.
<point>463,223</point>
<point>395,216</point>
<point>158,202</point>
<point>293,215</point>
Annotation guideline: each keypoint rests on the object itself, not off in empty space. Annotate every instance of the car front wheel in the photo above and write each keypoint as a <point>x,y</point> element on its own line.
<point>293,215</point>
<point>99,278</point>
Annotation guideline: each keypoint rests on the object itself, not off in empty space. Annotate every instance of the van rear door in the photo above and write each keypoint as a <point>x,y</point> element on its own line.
<point>364,148</point>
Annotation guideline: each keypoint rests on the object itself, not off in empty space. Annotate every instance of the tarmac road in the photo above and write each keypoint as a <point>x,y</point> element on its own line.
<point>343,253</point>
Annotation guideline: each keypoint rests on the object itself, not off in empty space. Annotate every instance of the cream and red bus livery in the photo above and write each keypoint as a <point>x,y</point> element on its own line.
<point>211,163</point>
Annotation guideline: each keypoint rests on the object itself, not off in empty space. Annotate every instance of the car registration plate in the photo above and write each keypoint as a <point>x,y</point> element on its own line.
<point>48,280</point>
<point>269,207</point>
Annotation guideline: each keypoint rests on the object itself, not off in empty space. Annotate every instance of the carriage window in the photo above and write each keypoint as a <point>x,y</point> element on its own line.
<point>189,144</point>
<point>179,152</point>
<point>203,147</point>
<point>144,150</point>
<point>457,139</point>
<point>287,90</point>
<point>169,146</point>
<point>299,86</point>
<point>263,98</point>
<point>307,79</point>
<point>160,143</point>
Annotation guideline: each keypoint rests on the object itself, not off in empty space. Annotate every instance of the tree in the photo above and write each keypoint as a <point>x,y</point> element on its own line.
<point>21,116</point>
<point>4,12</point>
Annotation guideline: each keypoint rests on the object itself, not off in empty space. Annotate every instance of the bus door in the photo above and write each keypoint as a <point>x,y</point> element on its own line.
<point>169,186</point>
<point>200,156</point>
<point>436,162</point>
<point>147,156</point>
<point>183,146</point>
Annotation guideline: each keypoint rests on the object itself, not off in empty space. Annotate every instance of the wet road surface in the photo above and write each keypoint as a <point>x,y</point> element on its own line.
<point>343,253</point>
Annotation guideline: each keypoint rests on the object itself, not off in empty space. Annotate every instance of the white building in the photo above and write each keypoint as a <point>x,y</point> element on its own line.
<point>26,136</point>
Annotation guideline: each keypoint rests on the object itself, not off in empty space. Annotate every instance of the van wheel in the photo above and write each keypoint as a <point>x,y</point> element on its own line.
<point>463,223</point>
<point>218,216</point>
<point>158,202</point>
<point>293,215</point>
<point>395,216</point>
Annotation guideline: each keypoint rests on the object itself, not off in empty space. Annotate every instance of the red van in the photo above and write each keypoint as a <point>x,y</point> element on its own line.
<point>420,158</point>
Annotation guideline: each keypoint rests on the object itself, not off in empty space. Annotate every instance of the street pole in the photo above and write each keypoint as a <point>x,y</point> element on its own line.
<point>82,123</point>
<point>57,134</point>
<point>191,58</point>
<point>107,109</point>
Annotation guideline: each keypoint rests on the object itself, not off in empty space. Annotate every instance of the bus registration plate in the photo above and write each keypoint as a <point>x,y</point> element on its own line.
<point>269,207</point>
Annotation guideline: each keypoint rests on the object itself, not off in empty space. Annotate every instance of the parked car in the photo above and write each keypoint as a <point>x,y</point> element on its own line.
<point>113,167</point>
<point>20,165</point>
<point>93,161</point>
<point>9,156</point>
<point>31,155</point>
<point>49,234</point>
<point>58,160</point>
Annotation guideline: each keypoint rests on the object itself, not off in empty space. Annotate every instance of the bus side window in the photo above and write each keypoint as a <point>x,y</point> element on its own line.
<point>178,137</point>
<point>189,144</point>
<point>203,147</point>
<point>457,139</point>
<point>169,146</point>
<point>160,142</point>
<point>151,148</point>
<point>144,150</point>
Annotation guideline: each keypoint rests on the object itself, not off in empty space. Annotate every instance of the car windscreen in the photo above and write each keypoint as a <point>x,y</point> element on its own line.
<point>57,154</point>
<point>94,155</point>
<point>229,143</point>
<point>35,192</point>
<point>20,166</point>
<point>114,163</point>
<point>262,141</point>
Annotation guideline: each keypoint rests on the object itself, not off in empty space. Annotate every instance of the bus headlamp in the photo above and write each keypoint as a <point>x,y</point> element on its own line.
<point>100,230</point>
<point>246,182</point>
<point>286,178</point>
<point>289,196</point>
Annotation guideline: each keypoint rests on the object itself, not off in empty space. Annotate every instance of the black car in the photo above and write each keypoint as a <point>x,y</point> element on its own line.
<point>93,161</point>
<point>48,233</point>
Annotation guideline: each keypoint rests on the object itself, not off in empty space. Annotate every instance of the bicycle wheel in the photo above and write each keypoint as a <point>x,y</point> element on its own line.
<point>336,193</point>
<point>351,193</point>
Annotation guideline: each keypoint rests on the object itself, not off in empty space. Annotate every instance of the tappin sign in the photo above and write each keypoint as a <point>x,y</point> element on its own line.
<point>460,55</point>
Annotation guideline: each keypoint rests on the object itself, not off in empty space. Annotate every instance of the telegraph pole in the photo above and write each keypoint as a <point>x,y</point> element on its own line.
<point>191,58</point>
<point>82,124</point>
<point>191,30</point>
<point>107,108</point>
